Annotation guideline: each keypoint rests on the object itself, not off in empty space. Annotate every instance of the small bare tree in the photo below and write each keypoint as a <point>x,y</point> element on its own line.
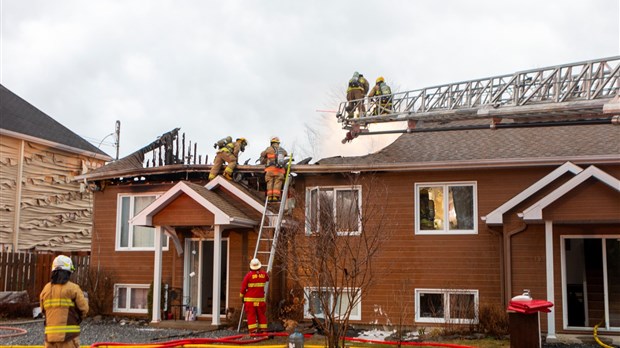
<point>332,247</point>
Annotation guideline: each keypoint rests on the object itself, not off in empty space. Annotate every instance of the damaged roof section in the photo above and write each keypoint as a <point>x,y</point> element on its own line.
<point>507,145</point>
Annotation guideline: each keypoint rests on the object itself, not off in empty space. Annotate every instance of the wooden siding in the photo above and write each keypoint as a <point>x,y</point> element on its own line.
<point>184,211</point>
<point>54,211</point>
<point>590,201</point>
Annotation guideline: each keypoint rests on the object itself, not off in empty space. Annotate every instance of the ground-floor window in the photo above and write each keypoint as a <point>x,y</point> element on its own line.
<point>446,306</point>
<point>340,301</point>
<point>131,298</point>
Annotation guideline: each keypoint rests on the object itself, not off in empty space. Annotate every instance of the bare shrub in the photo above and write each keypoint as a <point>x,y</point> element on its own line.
<point>493,321</point>
<point>99,284</point>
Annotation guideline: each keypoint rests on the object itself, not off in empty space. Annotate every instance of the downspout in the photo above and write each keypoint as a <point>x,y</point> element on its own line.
<point>18,196</point>
<point>507,261</point>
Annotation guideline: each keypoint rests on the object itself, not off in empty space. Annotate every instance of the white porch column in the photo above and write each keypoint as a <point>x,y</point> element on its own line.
<point>217,271</point>
<point>157,275</point>
<point>550,272</point>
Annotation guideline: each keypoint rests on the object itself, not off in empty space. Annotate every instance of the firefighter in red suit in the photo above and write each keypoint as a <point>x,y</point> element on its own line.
<point>253,296</point>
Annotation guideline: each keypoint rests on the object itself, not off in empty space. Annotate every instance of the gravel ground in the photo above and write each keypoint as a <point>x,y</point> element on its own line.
<point>106,331</point>
<point>94,331</point>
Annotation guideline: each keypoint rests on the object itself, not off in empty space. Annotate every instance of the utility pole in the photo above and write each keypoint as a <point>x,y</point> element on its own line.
<point>117,136</point>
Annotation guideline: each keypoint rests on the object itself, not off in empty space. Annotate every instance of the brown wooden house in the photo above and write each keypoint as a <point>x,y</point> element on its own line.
<point>477,216</point>
<point>43,207</point>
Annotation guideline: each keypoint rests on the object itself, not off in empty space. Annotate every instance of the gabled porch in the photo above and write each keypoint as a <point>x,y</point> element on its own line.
<point>200,221</point>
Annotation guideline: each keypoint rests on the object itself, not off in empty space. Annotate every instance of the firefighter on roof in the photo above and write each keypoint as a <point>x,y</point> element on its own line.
<point>356,90</point>
<point>64,306</point>
<point>253,297</point>
<point>274,160</point>
<point>381,96</point>
<point>227,152</point>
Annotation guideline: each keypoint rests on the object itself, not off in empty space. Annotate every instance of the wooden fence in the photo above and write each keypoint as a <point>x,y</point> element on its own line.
<point>31,271</point>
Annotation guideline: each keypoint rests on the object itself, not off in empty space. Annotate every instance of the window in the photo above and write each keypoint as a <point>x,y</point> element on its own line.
<point>446,306</point>
<point>130,298</point>
<point>337,206</point>
<point>446,208</point>
<point>129,237</point>
<point>343,300</point>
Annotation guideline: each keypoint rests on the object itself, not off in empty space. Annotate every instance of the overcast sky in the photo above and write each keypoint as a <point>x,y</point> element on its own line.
<point>262,68</point>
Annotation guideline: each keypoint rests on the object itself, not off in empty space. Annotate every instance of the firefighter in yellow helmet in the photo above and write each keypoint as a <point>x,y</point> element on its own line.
<point>228,152</point>
<point>356,90</point>
<point>64,306</point>
<point>274,160</point>
<point>381,97</point>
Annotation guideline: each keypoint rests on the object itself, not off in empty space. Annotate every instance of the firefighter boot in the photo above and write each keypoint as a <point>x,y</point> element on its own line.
<point>227,176</point>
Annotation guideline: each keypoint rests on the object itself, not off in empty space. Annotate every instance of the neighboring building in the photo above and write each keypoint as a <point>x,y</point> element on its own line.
<point>43,207</point>
<point>479,215</point>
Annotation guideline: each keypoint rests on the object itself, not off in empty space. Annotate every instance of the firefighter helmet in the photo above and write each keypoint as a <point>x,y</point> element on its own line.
<point>275,140</point>
<point>380,79</point>
<point>243,140</point>
<point>255,264</point>
<point>62,262</point>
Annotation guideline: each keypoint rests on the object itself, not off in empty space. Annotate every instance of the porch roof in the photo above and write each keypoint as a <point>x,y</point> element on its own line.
<point>224,212</point>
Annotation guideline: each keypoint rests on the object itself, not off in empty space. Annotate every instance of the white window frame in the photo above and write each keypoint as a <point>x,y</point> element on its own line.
<point>446,306</point>
<point>129,288</point>
<point>356,312</point>
<point>335,190</point>
<point>119,223</point>
<point>446,229</point>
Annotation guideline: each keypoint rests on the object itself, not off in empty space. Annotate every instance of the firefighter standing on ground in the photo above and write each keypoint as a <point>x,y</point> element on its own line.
<point>274,160</point>
<point>253,297</point>
<point>228,152</point>
<point>382,94</point>
<point>64,306</point>
<point>357,89</point>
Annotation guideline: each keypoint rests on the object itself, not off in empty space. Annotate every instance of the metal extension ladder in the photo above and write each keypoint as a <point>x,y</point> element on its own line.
<point>270,226</point>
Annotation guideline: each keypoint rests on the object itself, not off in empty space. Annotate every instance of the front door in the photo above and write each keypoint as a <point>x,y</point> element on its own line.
<point>591,286</point>
<point>198,276</point>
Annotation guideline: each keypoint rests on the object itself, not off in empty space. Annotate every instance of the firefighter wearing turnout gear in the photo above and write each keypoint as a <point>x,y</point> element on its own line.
<point>274,160</point>
<point>382,94</point>
<point>228,152</point>
<point>253,297</point>
<point>64,306</point>
<point>356,90</point>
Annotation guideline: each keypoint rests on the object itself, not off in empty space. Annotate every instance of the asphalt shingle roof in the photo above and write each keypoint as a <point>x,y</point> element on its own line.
<point>19,116</point>
<point>487,144</point>
<point>218,201</point>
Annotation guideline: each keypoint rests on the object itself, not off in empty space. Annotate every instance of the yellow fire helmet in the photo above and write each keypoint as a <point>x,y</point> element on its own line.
<point>380,79</point>
<point>275,140</point>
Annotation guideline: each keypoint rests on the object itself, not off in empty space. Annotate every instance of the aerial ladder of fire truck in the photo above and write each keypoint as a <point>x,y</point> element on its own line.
<point>269,231</point>
<point>582,93</point>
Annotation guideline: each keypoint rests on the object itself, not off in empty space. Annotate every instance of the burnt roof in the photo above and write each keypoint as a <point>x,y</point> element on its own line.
<point>19,116</point>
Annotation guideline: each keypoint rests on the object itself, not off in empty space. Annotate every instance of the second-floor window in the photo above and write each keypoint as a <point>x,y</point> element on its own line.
<point>128,236</point>
<point>445,208</point>
<point>335,208</point>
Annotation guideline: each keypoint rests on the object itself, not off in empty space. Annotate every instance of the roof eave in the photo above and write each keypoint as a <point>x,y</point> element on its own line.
<point>382,167</point>
<point>90,154</point>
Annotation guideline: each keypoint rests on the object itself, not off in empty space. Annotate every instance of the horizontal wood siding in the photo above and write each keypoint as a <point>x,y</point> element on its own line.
<point>183,211</point>
<point>590,201</point>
